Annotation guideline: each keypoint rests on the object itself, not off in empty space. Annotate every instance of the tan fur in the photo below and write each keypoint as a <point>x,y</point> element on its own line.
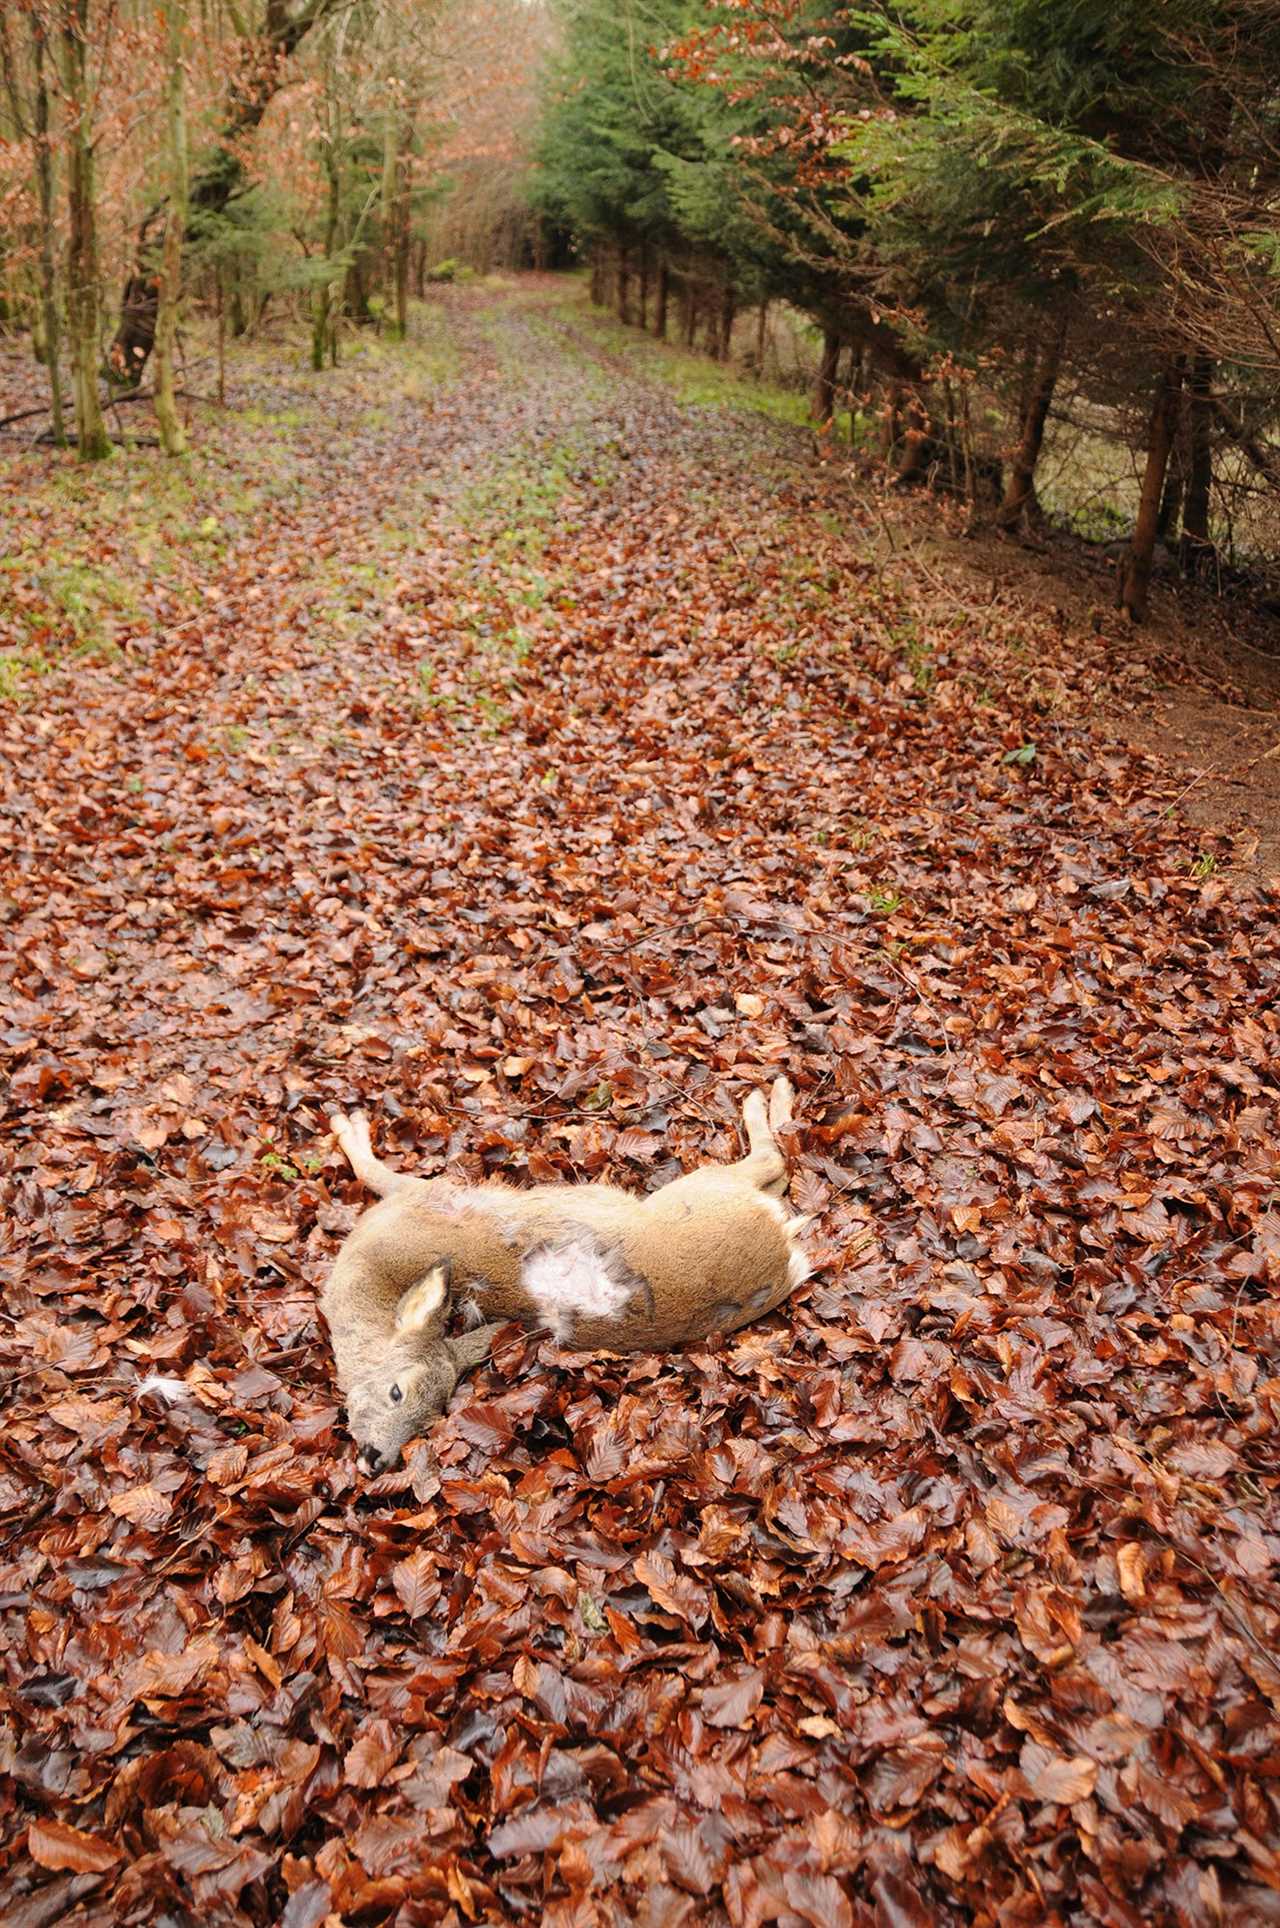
<point>397,1372</point>
<point>600,1267</point>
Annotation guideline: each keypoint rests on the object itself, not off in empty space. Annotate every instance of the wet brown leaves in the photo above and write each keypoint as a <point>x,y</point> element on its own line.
<point>947,1597</point>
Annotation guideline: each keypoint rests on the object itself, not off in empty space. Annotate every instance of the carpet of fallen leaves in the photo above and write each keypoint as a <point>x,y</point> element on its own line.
<point>481,735</point>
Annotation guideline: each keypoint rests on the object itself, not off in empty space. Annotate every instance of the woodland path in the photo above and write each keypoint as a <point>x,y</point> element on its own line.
<point>483,733</point>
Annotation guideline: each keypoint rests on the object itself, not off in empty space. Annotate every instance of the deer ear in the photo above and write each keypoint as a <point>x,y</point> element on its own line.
<point>423,1300</point>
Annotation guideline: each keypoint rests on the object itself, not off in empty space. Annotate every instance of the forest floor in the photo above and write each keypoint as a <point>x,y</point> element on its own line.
<point>489,732</point>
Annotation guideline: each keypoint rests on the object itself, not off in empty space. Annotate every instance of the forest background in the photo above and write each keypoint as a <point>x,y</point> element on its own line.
<point>1032,251</point>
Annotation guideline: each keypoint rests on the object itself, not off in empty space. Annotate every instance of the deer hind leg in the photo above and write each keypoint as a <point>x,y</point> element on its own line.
<point>351,1129</point>
<point>764,1166</point>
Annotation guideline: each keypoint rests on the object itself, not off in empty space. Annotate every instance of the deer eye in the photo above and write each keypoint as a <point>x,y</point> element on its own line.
<point>396,1395</point>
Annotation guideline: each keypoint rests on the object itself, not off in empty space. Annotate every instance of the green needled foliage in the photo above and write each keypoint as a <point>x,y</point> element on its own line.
<point>614,114</point>
<point>951,187</point>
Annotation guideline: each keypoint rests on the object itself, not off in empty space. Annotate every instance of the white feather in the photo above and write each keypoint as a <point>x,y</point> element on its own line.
<point>167,1388</point>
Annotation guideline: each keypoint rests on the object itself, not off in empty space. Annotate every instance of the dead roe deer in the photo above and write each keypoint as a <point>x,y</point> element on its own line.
<point>597,1267</point>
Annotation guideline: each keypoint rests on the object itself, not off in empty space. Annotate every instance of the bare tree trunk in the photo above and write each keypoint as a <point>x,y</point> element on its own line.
<point>664,291</point>
<point>1195,548</point>
<point>322,299</point>
<point>824,394</point>
<point>951,433</point>
<point>402,286</point>
<point>624,285</point>
<point>239,312</point>
<point>643,320</point>
<point>390,148</point>
<point>857,381</point>
<point>399,202</point>
<point>222,339</point>
<point>355,294</point>
<point>597,277</point>
<point>728,314</point>
<point>173,438</point>
<point>1175,483</point>
<point>92,440</point>
<point>762,336</point>
<point>690,312</point>
<point>44,189</point>
<point>1019,491</point>
<point>1135,575</point>
<point>890,420</point>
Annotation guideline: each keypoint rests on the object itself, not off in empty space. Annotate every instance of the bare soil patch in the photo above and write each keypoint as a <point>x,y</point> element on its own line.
<point>1198,686</point>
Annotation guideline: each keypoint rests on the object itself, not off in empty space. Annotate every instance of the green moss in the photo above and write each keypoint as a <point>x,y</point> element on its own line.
<point>16,673</point>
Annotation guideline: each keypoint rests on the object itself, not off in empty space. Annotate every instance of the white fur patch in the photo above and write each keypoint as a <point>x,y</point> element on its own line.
<point>167,1388</point>
<point>798,1267</point>
<point>568,1280</point>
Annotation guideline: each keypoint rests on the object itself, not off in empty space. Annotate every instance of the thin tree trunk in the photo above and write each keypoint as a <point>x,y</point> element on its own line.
<point>857,385</point>
<point>401,211</point>
<point>173,438</point>
<point>355,293</point>
<point>690,312</point>
<point>11,306</point>
<point>1175,483</point>
<point>859,379</point>
<point>1194,547</point>
<point>322,299</point>
<point>402,282</point>
<point>1135,575</point>
<point>762,336</point>
<point>92,440</point>
<point>824,394</point>
<point>890,420</point>
<point>951,435</point>
<point>222,338</point>
<point>597,277</point>
<point>390,149</point>
<point>44,189</point>
<point>644,286</point>
<point>624,285</point>
<point>966,445</point>
<point>1019,491</point>
<point>728,313</point>
<point>664,293</point>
